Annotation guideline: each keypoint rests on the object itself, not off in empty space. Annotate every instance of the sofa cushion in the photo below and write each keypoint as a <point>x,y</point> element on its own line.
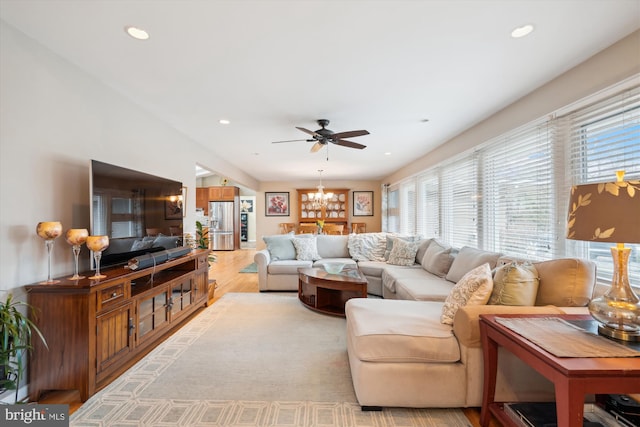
<point>367,246</point>
<point>473,289</point>
<point>372,268</point>
<point>515,284</point>
<point>566,282</point>
<point>426,288</point>
<point>392,274</point>
<point>403,253</point>
<point>289,266</point>
<point>423,244</point>
<point>469,258</point>
<point>415,335</point>
<point>280,246</point>
<point>332,246</point>
<point>438,258</point>
<point>306,249</point>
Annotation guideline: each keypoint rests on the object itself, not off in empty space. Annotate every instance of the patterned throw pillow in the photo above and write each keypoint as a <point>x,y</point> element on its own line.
<point>403,252</point>
<point>306,249</point>
<point>473,289</point>
<point>515,284</point>
<point>367,246</point>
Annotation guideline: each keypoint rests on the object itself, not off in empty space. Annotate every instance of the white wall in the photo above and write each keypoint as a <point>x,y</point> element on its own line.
<point>612,65</point>
<point>54,118</point>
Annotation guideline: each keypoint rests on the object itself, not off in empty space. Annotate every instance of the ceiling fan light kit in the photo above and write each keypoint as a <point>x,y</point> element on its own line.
<point>324,136</point>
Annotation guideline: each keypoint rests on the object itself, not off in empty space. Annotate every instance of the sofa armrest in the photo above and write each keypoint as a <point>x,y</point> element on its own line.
<point>466,325</point>
<point>262,259</point>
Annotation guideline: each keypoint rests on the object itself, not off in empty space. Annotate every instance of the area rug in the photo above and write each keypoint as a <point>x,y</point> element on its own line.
<point>248,360</point>
<point>251,268</point>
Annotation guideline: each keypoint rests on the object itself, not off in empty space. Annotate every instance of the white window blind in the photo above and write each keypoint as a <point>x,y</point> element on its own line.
<point>408,202</point>
<point>459,202</point>
<point>518,194</point>
<point>428,205</point>
<point>604,138</point>
<point>393,210</point>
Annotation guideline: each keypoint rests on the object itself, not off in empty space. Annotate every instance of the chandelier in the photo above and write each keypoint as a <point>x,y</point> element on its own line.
<point>319,199</point>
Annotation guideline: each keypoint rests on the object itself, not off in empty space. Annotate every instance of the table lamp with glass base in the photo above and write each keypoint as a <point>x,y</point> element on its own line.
<point>609,212</point>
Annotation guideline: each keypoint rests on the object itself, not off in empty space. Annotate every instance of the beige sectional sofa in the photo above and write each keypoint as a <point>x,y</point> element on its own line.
<point>400,352</point>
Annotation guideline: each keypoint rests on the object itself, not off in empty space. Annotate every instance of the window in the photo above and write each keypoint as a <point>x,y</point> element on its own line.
<point>459,202</point>
<point>510,194</point>
<point>518,194</point>
<point>605,137</point>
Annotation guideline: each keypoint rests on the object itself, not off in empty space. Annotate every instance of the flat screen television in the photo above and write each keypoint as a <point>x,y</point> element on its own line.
<point>141,213</point>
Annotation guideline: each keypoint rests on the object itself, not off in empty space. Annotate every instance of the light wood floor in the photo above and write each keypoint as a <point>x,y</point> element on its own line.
<point>225,272</point>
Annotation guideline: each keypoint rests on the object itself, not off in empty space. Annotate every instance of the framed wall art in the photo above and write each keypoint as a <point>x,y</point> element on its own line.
<point>276,204</point>
<point>363,203</point>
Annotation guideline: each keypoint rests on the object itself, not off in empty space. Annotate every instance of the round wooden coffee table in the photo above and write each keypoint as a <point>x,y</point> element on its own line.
<point>327,293</point>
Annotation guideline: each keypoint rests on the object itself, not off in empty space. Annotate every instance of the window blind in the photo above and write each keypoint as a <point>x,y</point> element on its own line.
<point>459,202</point>
<point>518,194</point>
<point>604,138</point>
<point>408,212</point>
<point>428,205</point>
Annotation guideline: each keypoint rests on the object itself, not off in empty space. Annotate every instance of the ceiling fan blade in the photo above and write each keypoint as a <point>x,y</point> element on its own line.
<point>350,134</point>
<point>310,132</point>
<point>316,147</point>
<point>291,140</point>
<point>350,144</point>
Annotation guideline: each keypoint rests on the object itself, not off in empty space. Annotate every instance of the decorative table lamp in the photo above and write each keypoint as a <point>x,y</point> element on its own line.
<point>49,231</point>
<point>610,212</point>
<point>76,237</point>
<point>97,244</point>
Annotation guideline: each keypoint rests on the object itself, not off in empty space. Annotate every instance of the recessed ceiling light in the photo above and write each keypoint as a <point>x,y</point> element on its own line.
<point>387,153</point>
<point>137,33</point>
<point>522,31</point>
<point>224,121</point>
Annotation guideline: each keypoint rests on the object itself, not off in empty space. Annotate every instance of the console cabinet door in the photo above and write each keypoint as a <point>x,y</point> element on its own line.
<point>183,295</point>
<point>152,314</point>
<point>114,338</point>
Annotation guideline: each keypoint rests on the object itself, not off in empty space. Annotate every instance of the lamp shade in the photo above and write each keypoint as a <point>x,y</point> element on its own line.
<point>605,212</point>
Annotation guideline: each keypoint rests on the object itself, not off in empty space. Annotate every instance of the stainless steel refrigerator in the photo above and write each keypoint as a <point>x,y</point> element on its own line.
<point>221,226</point>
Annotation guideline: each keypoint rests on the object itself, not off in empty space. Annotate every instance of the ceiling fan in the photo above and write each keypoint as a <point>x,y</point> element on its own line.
<point>323,136</point>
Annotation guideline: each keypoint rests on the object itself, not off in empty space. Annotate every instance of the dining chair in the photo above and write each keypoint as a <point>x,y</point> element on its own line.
<point>307,228</point>
<point>358,227</point>
<point>333,228</point>
<point>153,231</point>
<point>287,227</point>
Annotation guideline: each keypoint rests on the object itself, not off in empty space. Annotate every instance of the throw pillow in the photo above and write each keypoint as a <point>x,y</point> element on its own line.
<point>437,259</point>
<point>280,246</point>
<point>393,238</point>
<point>515,284</point>
<point>166,242</point>
<point>306,249</point>
<point>139,245</point>
<point>469,258</point>
<point>473,289</point>
<point>367,246</point>
<point>403,253</point>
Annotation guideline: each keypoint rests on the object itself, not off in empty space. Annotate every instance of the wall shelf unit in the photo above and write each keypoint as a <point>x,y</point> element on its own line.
<point>336,211</point>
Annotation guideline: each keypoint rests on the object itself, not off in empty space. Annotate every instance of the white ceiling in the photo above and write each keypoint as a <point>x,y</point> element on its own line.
<point>268,66</point>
